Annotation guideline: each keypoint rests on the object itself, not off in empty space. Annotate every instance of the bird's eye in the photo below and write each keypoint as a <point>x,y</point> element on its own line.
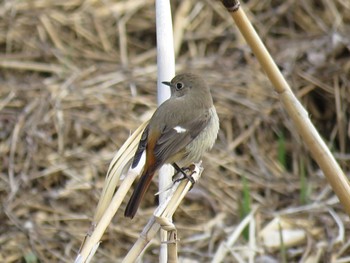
<point>179,85</point>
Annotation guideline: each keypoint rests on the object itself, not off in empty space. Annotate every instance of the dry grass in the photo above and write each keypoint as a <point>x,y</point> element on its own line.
<point>77,76</point>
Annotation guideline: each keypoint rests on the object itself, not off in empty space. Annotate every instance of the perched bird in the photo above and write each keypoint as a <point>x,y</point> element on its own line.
<point>179,132</point>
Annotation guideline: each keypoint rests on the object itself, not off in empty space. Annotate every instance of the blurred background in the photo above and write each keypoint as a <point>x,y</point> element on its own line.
<point>77,77</point>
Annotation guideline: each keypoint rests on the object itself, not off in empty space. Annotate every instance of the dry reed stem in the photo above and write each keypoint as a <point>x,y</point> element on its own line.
<point>180,23</point>
<point>93,239</point>
<point>115,169</point>
<point>172,247</point>
<point>227,245</point>
<point>106,208</point>
<point>297,112</point>
<point>161,218</point>
<point>33,66</point>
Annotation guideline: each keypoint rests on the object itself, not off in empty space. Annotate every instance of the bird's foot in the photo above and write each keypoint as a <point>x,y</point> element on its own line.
<point>187,173</point>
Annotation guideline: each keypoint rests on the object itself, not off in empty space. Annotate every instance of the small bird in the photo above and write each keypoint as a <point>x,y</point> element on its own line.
<point>179,132</point>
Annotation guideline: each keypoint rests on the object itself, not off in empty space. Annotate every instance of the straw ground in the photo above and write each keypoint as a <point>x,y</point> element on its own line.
<point>76,77</point>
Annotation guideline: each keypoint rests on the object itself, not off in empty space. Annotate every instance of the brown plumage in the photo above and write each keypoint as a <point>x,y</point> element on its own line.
<point>180,131</point>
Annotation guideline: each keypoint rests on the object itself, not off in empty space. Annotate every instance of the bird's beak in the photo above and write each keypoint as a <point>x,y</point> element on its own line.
<point>166,83</point>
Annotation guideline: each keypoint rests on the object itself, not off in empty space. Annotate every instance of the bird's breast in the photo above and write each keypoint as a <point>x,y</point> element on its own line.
<point>203,142</point>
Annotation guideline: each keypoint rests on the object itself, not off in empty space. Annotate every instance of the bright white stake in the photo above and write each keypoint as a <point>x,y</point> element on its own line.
<point>166,71</point>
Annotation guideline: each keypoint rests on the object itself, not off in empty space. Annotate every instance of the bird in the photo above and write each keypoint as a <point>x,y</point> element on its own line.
<point>178,133</point>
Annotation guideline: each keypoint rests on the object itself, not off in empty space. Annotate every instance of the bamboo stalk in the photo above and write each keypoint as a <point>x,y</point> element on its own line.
<point>296,111</point>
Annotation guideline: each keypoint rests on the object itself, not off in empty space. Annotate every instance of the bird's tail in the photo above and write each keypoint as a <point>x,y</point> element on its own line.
<point>139,192</point>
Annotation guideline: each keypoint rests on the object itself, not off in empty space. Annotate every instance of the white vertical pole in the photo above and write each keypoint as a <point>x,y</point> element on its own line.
<point>166,71</point>
<point>165,48</point>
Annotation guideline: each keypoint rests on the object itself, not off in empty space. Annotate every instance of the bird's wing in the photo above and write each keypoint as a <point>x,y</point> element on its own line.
<point>141,147</point>
<point>174,139</point>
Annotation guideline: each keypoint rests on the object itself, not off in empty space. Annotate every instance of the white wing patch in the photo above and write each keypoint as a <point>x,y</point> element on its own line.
<point>179,129</point>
